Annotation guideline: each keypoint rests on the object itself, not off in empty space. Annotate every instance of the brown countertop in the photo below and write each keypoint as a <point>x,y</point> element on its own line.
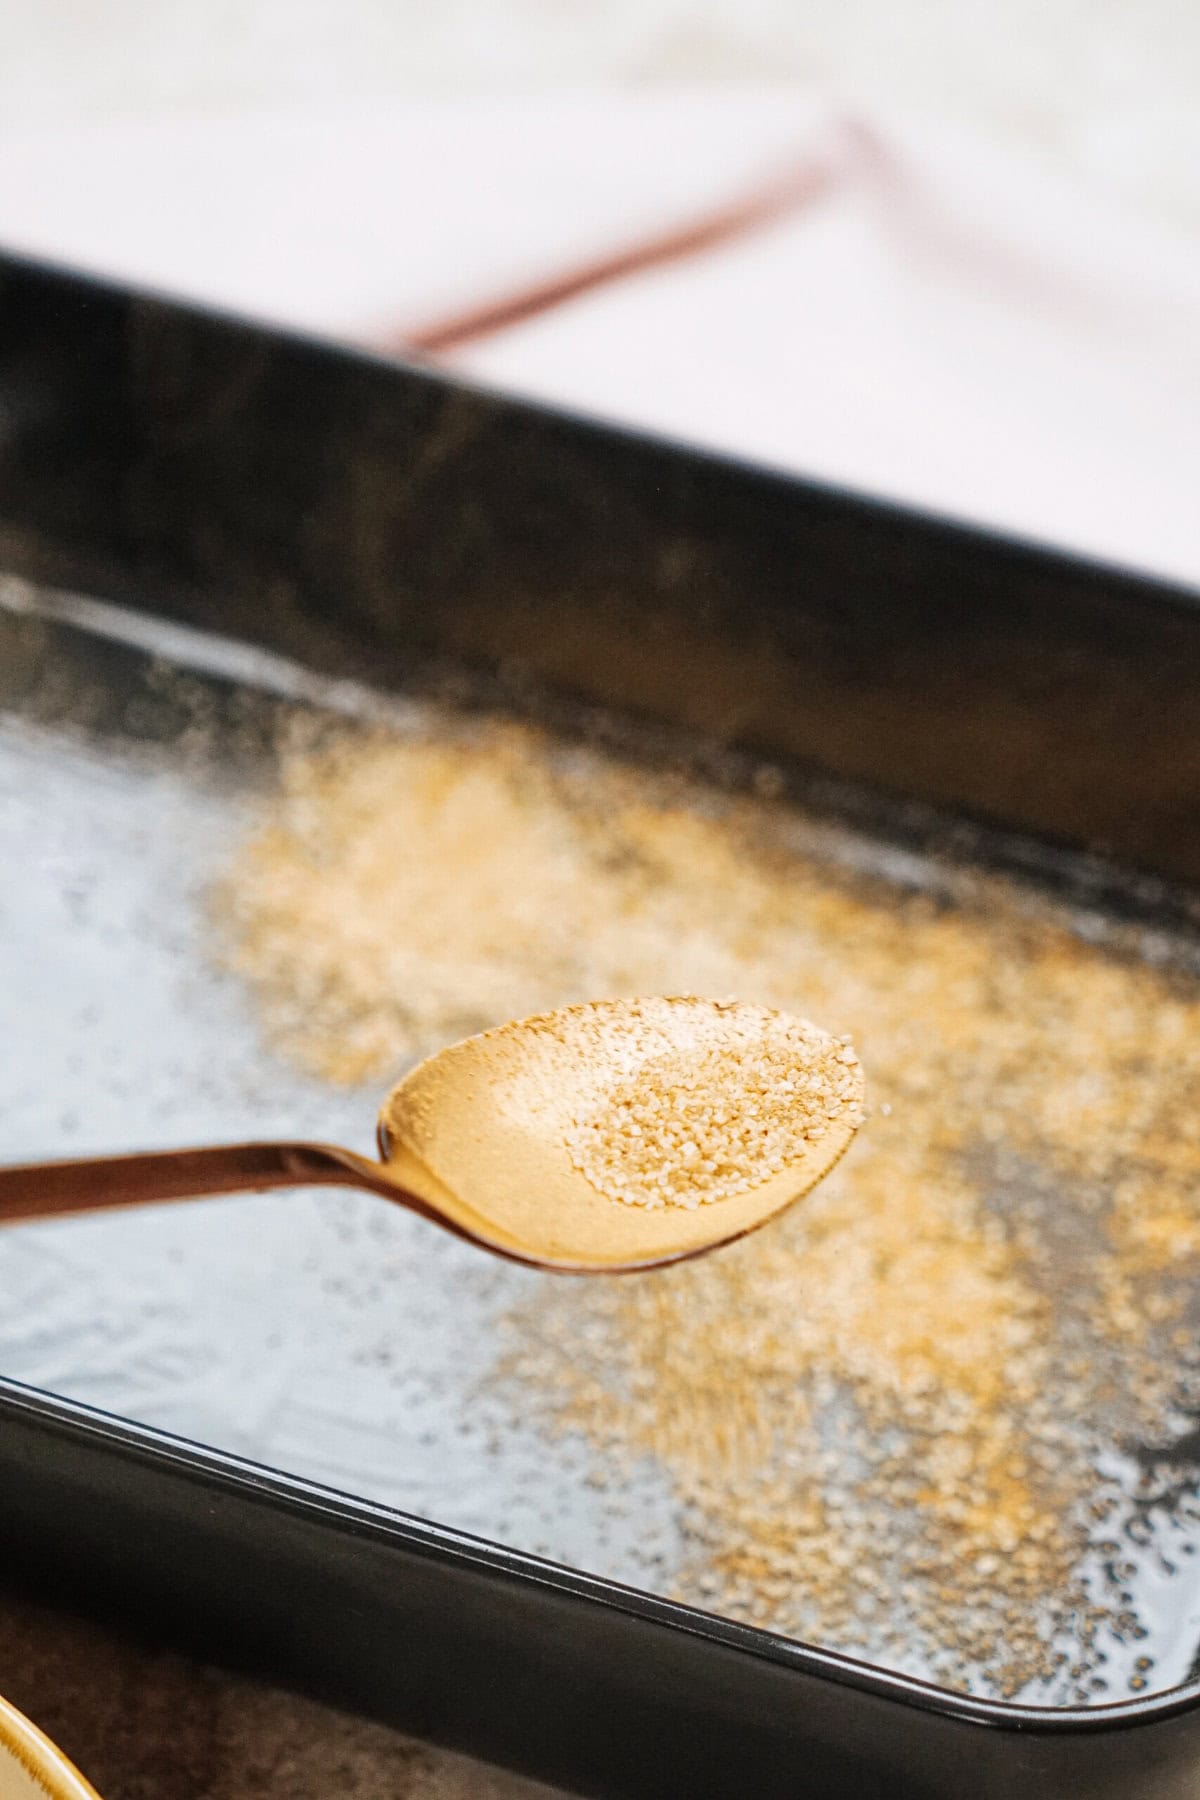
<point>144,1724</point>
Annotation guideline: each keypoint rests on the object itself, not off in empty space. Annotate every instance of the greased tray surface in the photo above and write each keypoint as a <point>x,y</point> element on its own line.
<point>366,1359</point>
<point>347,1343</point>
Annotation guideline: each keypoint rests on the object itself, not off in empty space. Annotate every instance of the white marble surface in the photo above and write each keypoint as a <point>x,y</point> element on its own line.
<point>1108,93</point>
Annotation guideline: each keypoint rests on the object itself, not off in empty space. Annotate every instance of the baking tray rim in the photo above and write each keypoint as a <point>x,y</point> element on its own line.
<point>861,503</point>
<point>351,1515</point>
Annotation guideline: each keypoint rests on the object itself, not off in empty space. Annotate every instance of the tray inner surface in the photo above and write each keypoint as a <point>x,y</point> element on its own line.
<point>938,1418</point>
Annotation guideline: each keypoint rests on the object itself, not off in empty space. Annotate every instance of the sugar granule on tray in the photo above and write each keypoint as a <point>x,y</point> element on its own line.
<point>882,1419</point>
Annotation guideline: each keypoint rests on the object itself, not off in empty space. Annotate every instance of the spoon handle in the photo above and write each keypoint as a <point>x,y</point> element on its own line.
<point>41,1190</point>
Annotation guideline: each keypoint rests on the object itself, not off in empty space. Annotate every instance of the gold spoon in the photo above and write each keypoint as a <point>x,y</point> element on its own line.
<point>479,1137</point>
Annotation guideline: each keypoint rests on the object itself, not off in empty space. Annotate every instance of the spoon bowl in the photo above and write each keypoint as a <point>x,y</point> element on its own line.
<point>489,1121</point>
<point>500,1138</point>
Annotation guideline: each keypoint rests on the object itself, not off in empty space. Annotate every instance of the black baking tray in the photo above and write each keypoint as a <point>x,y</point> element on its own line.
<point>930,679</point>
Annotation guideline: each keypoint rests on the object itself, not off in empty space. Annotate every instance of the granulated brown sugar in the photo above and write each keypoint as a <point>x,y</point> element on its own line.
<point>484,1129</point>
<point>709,1102</point>
<point>882,1417</point>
